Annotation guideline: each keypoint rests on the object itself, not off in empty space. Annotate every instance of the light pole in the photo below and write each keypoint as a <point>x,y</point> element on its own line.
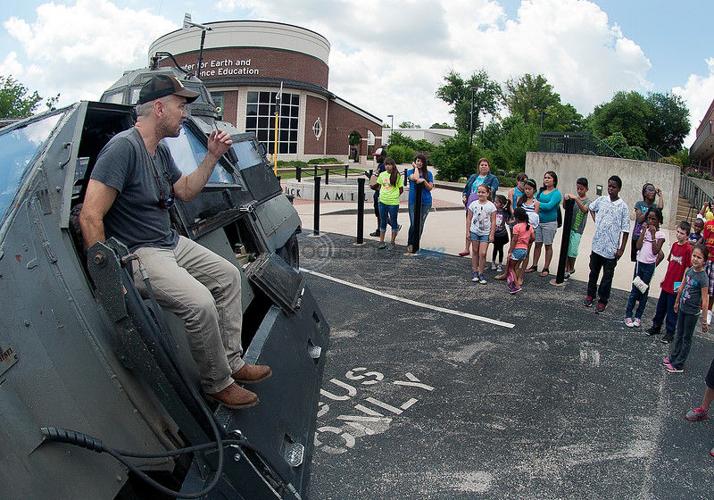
<point>391,128</point>
<point>471,122</point>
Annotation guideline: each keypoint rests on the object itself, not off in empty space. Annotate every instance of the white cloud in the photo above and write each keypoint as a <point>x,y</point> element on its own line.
<point>11,66</point>
<point>79,50</point>
<point>227,5</point>
<point>697,93</point>
<point>389,57</point>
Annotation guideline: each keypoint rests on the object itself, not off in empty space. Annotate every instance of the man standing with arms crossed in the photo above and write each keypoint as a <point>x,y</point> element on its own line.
<point>132,186</point>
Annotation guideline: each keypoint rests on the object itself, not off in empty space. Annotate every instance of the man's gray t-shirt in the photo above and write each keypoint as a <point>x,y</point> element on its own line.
<point>135,218</point>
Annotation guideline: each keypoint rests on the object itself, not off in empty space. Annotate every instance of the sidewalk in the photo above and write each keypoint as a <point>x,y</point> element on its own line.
<point>446,228</point>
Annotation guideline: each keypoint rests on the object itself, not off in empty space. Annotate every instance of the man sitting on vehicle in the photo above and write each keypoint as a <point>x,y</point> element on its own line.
<point>132,186</point>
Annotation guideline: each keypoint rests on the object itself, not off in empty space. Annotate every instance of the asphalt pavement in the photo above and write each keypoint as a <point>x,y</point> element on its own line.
<point>436,387</point>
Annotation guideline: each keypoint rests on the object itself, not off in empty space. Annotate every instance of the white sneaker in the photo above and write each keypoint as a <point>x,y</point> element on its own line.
<point>636,322</point>
<point>499,268</point>
<point>493,266</point>
<point>629,323</point>
<point>709,317</point>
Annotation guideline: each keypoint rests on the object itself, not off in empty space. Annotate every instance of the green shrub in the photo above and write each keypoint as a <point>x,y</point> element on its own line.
<point>454,158</point>
<point>400,154</point>
<point>421,145</point>
<point>292,163</point>
<point>320,161</point>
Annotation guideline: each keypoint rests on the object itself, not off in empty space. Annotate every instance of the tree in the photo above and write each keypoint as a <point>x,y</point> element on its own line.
<point>454,158</point>
<point>386,125</point>
<point>16,101</point>
<point>658,121</point>
<point>529,96</point>
<point>562,118</point>
<point>627,113</point>
<point>506,144</point>
<point>533,98</point>
<point>669,123</point>
<point>440,125</point>
<point>458,92</point>
<point>409,125</point>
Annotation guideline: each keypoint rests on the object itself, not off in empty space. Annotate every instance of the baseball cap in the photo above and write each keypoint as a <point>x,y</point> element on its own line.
<point>163,85</point>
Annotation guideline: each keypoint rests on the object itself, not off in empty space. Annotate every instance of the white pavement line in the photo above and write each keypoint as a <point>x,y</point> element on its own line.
<point>409,301</point>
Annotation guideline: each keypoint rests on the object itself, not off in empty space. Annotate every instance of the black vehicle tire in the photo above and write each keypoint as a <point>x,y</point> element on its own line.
<point>290,252</point>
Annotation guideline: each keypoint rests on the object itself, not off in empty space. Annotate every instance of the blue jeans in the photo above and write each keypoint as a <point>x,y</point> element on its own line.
<point>388,214</point>
<point>686,323</point>
<point>412,226</point>
<point>665,308</point>
<point>645,272</point>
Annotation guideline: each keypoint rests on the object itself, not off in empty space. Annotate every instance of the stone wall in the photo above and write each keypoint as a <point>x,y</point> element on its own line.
<point>597,169</point>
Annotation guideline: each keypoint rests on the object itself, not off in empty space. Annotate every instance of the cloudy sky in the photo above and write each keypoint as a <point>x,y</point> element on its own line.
<point>389,57</point>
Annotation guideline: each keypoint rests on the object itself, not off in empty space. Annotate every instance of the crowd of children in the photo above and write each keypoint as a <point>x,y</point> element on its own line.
<point>519,219</point>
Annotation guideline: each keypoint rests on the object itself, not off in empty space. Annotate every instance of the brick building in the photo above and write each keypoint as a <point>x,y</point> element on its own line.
<point>701,153</point>
<point>245,63</point>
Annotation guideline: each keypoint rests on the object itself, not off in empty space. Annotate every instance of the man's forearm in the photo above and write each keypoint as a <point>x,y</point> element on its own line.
<point>196,180</point>
<point>92,230</point>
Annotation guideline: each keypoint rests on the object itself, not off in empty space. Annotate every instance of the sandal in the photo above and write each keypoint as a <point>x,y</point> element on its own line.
<point>532,269</point>
<point>545,272</point>
<point>464,254</point>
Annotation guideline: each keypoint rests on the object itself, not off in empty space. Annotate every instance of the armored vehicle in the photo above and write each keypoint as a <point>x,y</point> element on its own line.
<point>98,391</point>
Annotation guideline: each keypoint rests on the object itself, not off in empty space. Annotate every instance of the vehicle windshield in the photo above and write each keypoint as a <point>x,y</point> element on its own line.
<point>188,153</point>
<point>19,147</point>
<point>247,153</point>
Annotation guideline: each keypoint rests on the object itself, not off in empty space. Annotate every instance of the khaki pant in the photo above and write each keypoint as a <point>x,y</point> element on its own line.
<point>203,289</point>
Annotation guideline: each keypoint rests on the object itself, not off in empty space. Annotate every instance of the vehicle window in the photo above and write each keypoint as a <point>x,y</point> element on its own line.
<point>19,148</point>
<point>115,98</point>
<point>134,95</point>
<point>188,152</point>
<point>248,155</point>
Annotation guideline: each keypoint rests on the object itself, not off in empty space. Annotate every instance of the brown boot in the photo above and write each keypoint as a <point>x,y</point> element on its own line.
<point>235,397</point>
<point>250,374</point>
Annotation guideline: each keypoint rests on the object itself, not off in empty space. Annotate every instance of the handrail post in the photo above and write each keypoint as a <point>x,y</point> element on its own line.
<point>360,210</point>
<point>316,208</point>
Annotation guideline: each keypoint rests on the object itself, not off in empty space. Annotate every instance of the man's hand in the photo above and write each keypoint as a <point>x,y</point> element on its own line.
<point>219,143</point>
<point>618,253</point>
<point>676,306</point>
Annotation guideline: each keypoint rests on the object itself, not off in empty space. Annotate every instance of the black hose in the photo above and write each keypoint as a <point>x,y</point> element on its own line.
<point>91,443</point>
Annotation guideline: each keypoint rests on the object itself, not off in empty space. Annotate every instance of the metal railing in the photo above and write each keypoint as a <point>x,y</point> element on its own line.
<point>693,193</point>
<point>655,156</point>
<point>577,143</point>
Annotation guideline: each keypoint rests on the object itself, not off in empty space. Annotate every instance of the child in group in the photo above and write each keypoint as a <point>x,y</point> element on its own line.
<point>580,218</point>
<point>532,207</point>
<point>500,237</point>
<point>648,247</point>
<point>650,195</point>
<point>481,219</point>
<point>679,260</point>
<point>695,236</point>
<point>692,302</point>
<point>391,186</point>
<point>708,241</point>
<point>523,237</point>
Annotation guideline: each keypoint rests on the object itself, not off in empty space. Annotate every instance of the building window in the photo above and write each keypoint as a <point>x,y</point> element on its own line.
<point>317,128</point>
<point>218,101</point>
<point>260,118</point>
